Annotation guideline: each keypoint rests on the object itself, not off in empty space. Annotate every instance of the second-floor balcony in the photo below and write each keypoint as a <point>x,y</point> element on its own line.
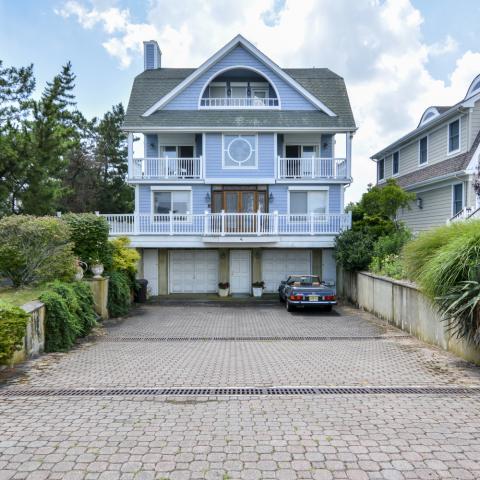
<point>167,168</point>
<point>312,168</point>
<point>229,224</point>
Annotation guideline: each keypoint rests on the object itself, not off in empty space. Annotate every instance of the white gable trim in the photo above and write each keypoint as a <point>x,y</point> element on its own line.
<point>238,40</point>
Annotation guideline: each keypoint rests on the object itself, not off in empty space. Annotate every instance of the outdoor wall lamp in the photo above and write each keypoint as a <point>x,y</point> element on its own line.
<point>419,202</point>
<point>207,197</point>
<point>271,197</point>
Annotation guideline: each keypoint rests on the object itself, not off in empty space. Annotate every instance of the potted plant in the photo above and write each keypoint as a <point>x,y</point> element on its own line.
<point>257,288</point>
<point>223,289</point>
<point>97,268</point>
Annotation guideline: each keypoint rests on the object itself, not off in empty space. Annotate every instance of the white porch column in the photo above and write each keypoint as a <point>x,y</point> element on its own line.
<point>130,155</point>
<point>349,136</point>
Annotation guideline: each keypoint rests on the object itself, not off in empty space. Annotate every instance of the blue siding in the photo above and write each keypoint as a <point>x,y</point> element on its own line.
<point>199,204</point>
<point>266,160</point>
<point>289,97</point>
<point>280,198</point>
<point>151,145</point>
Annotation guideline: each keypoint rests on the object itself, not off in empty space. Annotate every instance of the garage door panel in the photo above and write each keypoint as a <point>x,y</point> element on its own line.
<point>193,271</point>
<point>276,264</point>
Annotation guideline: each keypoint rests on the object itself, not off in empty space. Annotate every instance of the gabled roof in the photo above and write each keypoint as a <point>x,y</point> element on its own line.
<point>319,82</point>
<point>236,41</point>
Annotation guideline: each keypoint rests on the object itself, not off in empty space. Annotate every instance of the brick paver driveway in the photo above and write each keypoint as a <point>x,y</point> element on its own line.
<point>67,417</point>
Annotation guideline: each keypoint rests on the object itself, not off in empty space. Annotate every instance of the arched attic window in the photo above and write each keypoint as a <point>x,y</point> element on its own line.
<point>429,114</point>
<point>239,87</point>
<point>474,87</point>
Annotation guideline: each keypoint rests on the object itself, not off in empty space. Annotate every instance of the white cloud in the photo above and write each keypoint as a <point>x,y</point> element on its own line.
<point>377,46</point>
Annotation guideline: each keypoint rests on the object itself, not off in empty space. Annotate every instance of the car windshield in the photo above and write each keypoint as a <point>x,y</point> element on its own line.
<point>304,280</point>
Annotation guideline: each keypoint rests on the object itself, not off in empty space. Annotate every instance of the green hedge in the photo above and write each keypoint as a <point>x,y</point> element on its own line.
<point>119,299</point>
<point>13,321</point>
<point>69,314</point>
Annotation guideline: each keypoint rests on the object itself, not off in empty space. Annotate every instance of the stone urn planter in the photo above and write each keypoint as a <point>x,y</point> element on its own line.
<point>257,289</point>
<point>97,270</point>
<point>223,289</point>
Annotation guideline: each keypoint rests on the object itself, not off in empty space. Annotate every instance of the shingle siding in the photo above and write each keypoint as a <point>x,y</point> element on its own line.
<point>290,98</point>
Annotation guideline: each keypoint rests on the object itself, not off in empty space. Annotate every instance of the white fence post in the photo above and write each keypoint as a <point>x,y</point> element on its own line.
<point>222,232</point>
<point>205,223</point>
<point>171,222</point>
<point>311,223</point>
<point>275,222</point>
<point>258,223</point>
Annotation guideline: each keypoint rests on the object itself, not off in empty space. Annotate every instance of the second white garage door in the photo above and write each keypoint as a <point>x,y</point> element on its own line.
<point>193,271</point>
<point>276,264</point>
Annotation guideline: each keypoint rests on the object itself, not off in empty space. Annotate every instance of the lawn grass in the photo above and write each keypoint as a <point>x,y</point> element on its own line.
<point>19,296</point>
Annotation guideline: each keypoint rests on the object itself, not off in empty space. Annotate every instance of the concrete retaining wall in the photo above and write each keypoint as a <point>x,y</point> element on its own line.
<point>403,305</point>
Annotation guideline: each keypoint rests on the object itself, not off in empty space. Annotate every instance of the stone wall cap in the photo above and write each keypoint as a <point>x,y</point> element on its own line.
<point>30,307</point>
<point>403,283</point>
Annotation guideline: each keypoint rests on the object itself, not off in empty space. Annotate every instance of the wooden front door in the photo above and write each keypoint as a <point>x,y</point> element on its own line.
<point>236,202</point>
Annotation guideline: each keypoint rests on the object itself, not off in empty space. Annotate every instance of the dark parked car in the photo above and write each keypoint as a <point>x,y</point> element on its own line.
<point>306,290</point>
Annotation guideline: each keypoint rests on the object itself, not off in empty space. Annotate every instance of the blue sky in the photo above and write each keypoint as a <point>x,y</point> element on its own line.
<point>397,56</point>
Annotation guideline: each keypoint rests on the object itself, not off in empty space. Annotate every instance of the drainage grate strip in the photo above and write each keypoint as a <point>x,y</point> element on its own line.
<point>243,391</point>
<point>109,339</point>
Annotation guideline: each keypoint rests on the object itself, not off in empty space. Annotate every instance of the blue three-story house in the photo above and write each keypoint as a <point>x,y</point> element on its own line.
<point>243,171</point>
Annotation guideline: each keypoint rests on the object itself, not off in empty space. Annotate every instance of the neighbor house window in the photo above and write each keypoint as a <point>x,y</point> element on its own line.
<point>423,150</point>
<point>178,201</point>
<point>381,169</point>
<point>395,163</point>
<point>239,151</point>
<point>457,198</point>
<point>454,136</point>
<point>309,201</point>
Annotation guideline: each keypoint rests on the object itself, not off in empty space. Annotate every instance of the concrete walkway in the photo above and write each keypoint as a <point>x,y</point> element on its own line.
<point>49,431</point>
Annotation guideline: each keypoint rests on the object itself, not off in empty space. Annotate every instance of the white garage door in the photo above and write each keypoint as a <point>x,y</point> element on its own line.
<point>193,271</point>
<point>276,264</point>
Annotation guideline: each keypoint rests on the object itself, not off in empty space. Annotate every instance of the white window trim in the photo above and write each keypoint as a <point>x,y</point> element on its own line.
<point>308,189</point>
<point>239,167</point>
<point>158,188</point>
<point>379,180</point>
<point>453,152</point>
<point>453,197</point>
<point>398,173</point>
<point>418,150</point>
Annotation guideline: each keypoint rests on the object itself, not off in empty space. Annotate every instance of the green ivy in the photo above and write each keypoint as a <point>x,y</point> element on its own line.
<point>119,299</point>
<point>13,321</point>
<point>87,306</point>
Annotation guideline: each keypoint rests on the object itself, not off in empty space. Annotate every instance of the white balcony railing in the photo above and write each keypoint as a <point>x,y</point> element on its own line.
<point>167,168</point>
<point>229,224</point>
<point>241,102</point>
<point>312,167</point>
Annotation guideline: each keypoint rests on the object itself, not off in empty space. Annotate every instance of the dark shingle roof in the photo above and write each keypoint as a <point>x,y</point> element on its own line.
<point>440,169</point>
<point>151,85</point>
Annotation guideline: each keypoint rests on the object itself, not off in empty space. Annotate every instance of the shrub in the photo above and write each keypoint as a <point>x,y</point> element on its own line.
<point>124,257</point>
<point>119,299</point>
<point>35,249</point>
<point>13,321</point>
<point>89,234</point>
<point>353,249</point>
<point>389,266</point>
<point>61,325</point>
<point>87,306</point>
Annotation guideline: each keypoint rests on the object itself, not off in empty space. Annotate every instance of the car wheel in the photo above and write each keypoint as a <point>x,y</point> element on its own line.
<point>290,307</point>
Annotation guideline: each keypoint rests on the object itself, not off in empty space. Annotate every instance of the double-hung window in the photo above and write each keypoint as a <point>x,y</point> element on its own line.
<point>381,169</point>
<point>176,201</point>
<point>395,163</point>
<point>306,202</point>
<point>454,136</point>
<point>457,198</point>
<point>423,150</point>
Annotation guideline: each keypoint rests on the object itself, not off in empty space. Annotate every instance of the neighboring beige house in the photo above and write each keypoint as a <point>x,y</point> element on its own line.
<point>437,161</point>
